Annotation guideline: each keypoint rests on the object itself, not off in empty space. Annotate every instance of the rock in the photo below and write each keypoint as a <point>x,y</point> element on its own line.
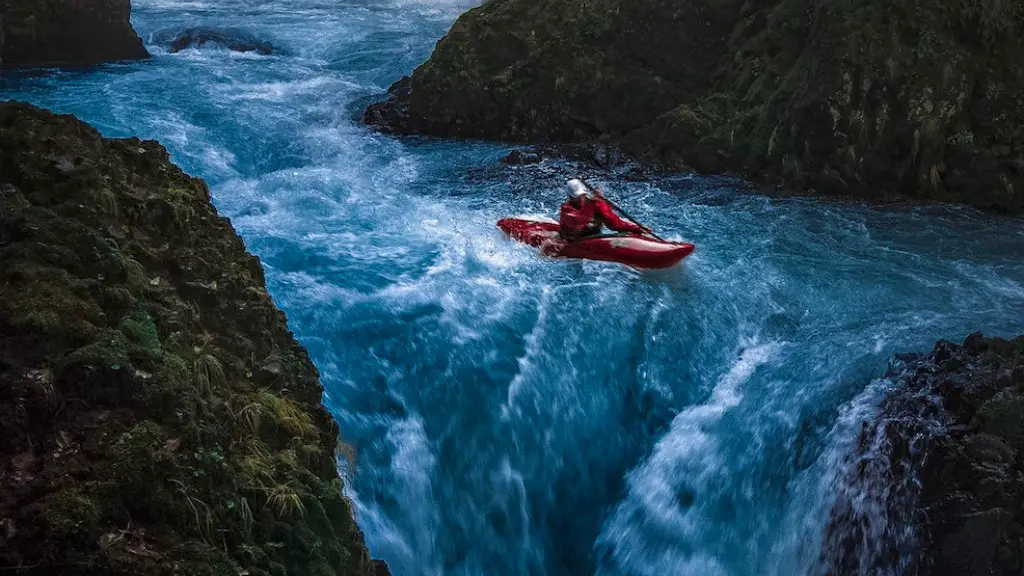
<point>392,115</point>
<point>945,461</point>
<point>607,156</point>
<point>522,157</point>
<point>133,440</point>
<point>833,98</point>
<point>380,568</point>
<point>1,43</point>
<point>229,38</point>
<point>68,33</point>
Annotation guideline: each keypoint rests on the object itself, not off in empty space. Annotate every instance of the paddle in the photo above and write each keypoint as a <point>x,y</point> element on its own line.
<point>620,210</point>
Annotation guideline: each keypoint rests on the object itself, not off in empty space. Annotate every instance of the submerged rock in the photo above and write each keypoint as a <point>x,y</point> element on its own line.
<point>229,38</point>
<point>521,158</point>
<point>67,33</point>
<point>156,414</point>
<point>944,464</point>
<point>865,98</point>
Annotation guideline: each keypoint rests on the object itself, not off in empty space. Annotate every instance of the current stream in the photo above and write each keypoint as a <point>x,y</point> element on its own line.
<point>512,415</point>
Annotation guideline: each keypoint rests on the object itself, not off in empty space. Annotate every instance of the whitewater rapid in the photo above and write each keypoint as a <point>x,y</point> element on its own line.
<point>515,415</point>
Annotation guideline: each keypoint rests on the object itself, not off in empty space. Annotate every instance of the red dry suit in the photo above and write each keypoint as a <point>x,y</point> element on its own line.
<point>586,218</point>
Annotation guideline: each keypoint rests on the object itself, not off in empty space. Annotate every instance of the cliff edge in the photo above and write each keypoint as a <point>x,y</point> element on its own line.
<point>156,414</point>
<point>34,33</point>
<point>877,99</point>
<point>939,475</point>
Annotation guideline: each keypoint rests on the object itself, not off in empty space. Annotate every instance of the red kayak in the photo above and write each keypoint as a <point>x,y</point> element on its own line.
<point>630,249</point>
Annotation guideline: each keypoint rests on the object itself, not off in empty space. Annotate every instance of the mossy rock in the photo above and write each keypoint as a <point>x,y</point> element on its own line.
<point>1003,416</point>
<point>137,331</point>
<point>878,99</point>
<point>71,515</point>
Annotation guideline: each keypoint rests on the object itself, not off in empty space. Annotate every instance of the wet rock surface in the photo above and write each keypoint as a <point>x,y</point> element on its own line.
<point>156,414</point>
<point>34,33</point>
<point>944,462</point>
<point>874,99</point>
<point>228,38</point>
<point>522,158</point>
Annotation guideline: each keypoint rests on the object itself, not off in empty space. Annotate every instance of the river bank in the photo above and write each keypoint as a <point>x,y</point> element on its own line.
<point>874,100</point>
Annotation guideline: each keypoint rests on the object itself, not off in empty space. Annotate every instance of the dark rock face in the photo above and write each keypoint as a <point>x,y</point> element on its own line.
<point>232,39</point>
<point>156,414</point>
<point>392,115</point>
<point>875,98</point>
<point>945,462</point>
<point>68,32</point>
<point>1,43</point>
<point>566,70</point>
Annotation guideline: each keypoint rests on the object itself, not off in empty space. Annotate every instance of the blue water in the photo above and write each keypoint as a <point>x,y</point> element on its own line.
<point>516,415</point>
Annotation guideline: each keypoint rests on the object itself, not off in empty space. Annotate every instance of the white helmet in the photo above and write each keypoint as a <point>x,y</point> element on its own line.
<point>577,189</point>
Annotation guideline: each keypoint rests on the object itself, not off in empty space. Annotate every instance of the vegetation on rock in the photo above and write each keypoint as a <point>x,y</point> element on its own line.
<point>67,33</point>
<point>156,414</point>
<point>874,98</point>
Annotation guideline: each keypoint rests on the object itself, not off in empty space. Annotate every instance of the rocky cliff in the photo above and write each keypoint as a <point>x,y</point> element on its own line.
<point>67,33</point>
<point>156,414</point>
<point>944,464</point>
<point>874,98</point>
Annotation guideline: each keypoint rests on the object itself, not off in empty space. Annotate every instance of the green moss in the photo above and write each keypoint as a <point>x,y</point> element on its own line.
<point>51,309</point>
<point>138,457</point>
<point>141,333</point>
<point>72,515</point>
<point>109,351</point>
<point>1003,416</point>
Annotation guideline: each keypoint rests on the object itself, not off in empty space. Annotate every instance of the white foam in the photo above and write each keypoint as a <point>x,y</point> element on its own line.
<point>533,347</point>
<point>688,455</point>
<point>409,476</point>
<point>801,532</point>
<point>285,91</point>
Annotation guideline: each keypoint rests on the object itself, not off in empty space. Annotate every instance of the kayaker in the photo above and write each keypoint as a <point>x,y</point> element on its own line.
<point>583,214</point>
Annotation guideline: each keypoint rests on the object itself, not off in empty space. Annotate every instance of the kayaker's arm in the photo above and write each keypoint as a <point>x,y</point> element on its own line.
<point>613,221</point>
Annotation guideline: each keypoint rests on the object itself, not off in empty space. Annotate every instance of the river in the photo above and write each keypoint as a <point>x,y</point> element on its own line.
<point>513,415</point>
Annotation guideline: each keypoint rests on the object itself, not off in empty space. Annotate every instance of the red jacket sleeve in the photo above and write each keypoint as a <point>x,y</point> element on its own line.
<point>574,220</point>
<point>612,221</point>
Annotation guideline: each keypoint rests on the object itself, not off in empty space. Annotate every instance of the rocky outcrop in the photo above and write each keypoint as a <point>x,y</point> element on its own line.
<point>879,99</point>
<point>228,38</point>
<point>156,414</point>
<point>67,33</point>
<point>944,462</point>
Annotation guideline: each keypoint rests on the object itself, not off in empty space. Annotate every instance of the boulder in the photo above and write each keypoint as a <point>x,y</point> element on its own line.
<point>68,33</point>
<point>228,38</point>
<point>942,467</point>
<point>522,157</point>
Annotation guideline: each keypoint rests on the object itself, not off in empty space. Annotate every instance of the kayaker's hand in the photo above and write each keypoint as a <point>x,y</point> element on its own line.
<point>646,230</point>
<point>597,193</point>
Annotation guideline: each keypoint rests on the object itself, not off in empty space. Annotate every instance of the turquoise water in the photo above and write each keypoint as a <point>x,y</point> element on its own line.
<point>515,415</point>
